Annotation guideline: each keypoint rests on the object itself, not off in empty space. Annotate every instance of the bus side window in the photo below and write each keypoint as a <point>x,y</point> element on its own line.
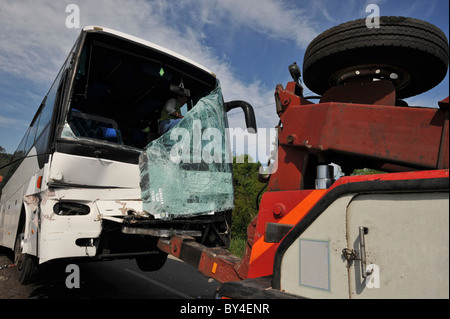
<point>31,136</point>
<point>51,101</point>
<point>45,117</point>
<point>20,151</point>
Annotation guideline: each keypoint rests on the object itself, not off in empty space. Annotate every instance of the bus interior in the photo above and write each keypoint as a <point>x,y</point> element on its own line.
<point>120,89</point>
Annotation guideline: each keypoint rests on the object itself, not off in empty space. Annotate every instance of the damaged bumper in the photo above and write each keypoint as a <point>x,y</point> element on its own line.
<point>83,225</point>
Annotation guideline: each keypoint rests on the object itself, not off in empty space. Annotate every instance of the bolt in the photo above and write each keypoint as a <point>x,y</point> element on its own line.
<point>393,76</point>
<point>290,139</point>
<point>306,143</point>
<point>279,210</point>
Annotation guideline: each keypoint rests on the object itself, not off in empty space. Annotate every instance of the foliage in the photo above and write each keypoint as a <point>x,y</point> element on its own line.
<point>246,189</point>
<point>237,246</point>
<point>4,159</point>
<point>366,171</point>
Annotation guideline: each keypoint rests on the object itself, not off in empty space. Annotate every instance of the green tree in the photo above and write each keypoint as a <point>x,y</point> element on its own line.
<point>246,189</point>
<point>4,159</point>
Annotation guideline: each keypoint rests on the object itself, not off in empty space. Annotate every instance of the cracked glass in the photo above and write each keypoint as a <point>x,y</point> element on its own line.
<point>187,171</point>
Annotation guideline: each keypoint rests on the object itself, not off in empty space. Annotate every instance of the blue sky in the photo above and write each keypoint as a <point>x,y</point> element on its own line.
<point>247,43</point>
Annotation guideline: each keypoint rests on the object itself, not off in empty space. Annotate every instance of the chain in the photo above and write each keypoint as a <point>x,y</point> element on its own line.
<point>349,254</point>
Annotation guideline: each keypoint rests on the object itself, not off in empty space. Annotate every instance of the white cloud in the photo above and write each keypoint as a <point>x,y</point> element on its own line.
<point>274,18</point>
<point>11,123</point>
<point>31,42</point>
<point>35,40</point>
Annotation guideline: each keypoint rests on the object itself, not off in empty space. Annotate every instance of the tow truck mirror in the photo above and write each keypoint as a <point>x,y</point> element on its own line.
<point>249,113</point>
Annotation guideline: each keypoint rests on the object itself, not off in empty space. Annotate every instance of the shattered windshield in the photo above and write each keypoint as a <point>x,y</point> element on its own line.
<point>187,170</point>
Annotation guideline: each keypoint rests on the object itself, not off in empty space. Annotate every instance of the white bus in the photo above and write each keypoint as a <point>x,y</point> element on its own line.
<point>72,189</point>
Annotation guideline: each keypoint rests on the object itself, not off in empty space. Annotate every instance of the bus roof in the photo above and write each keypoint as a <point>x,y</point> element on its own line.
<point>147,44</point>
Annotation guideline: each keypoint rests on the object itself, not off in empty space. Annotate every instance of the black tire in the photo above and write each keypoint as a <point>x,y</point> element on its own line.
<point>152,262</point>
<point>26,265</point>
<point>416,48</point>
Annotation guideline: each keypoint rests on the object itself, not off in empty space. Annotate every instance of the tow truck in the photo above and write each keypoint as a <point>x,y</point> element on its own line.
<point>384,235</point>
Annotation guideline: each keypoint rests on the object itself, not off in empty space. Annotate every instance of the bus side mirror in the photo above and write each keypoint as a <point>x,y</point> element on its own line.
<point>249,113</point>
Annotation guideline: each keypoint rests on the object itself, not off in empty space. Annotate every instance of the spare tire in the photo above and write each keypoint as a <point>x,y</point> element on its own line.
<point>415,51</point>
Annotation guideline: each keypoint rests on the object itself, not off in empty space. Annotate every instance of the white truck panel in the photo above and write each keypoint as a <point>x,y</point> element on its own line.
<point>406,245</point>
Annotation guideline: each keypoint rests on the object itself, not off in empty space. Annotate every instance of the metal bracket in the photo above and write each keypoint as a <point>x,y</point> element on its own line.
<point>362,248</point>
<point>351,254</point>
<point>156,232</point>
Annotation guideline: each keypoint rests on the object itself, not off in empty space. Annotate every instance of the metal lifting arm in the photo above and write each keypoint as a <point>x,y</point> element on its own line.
<point>213,262</point>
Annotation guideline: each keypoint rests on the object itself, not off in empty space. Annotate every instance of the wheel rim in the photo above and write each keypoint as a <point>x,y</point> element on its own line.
<point>372,72</point>
<point>18,251</point>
